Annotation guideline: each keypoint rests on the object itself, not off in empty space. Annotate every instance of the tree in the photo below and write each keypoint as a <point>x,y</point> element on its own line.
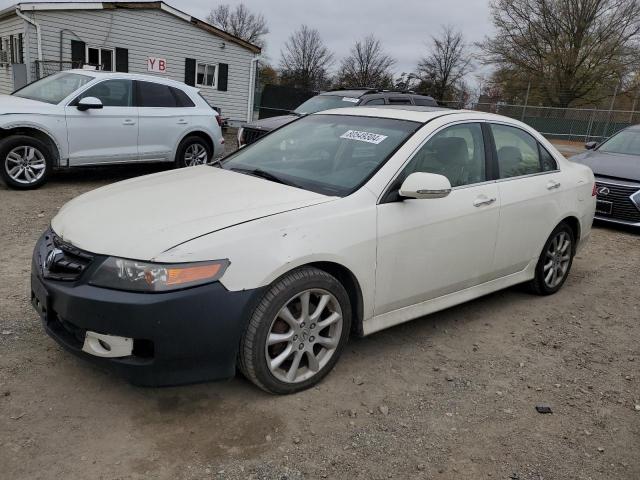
<point>572,51</point>
<point>240,22</point>
<point>367,66</point>
<point>305,60</point>
<point>442,70</point>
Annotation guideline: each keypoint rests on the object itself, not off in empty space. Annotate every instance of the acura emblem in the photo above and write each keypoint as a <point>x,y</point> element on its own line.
<point>51,257</point>
<point>604,191</point>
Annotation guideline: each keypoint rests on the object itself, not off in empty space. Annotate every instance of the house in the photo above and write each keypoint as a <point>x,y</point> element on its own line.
<point>38,39</point>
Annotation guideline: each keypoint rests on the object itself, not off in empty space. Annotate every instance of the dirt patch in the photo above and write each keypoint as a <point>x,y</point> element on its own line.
<point>449,396</point>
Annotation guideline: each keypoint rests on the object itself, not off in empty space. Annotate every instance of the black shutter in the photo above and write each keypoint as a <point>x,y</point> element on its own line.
<point>77,53</point>
<point>122,60</point>
<point>223,75</point>
<point>190,71</point>
<point>12,53</point>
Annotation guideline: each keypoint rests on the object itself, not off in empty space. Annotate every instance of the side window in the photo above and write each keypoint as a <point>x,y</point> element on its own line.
<point>374,101</point>
<point>517,152</point>
<point>112,93</point>
<point>152,94</point>
<point>425,102</point>
<point>456,152</point>
<point>548,162</point>
<point>182,98</point>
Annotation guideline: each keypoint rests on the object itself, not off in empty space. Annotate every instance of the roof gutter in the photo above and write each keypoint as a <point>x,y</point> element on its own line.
<point>38,31</point>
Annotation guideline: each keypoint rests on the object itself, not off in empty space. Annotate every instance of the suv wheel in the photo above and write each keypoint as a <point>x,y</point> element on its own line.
<point>555,261</point>
<point>297,332</point>
<point>26,162</point>
<point>193,151</point>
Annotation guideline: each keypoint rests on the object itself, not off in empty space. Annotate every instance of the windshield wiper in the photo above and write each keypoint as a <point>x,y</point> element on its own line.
<point>258,172</point>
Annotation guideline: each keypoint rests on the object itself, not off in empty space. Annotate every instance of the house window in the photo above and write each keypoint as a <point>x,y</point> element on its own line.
<point>206,75</point>
<point>102,57</point>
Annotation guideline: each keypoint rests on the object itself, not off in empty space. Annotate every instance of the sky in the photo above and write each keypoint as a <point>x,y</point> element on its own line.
<point>404,28</point>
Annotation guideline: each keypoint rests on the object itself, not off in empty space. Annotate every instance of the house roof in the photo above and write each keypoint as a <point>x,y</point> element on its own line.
<point>31,6</point>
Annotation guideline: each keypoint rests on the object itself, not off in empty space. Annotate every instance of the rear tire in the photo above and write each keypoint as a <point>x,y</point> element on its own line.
<point>25,162</point>
<point>192,151</point>
<point>555,261</point>
<point>289,347</point>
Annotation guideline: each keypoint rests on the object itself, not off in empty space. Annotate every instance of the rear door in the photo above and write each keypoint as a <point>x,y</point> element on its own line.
<point>163,121</point>
<point>531,187</point>
<point>106,135</point>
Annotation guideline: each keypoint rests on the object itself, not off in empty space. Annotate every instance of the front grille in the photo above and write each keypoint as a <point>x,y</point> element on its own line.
<point>620,196</point>
<point>60,260</point>
<point>250,135</point>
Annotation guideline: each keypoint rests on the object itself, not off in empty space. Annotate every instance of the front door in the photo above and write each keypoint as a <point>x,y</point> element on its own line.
<point>432,247</point>
<point>106,135</point>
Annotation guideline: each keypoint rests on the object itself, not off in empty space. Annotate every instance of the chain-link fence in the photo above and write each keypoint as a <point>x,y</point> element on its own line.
<point>44,68</point>
<point>571,124</point>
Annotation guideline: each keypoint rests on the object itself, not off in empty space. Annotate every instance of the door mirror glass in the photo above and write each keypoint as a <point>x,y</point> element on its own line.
<point>590,145</point>
<point>425,185</point>
<point>89,103</point>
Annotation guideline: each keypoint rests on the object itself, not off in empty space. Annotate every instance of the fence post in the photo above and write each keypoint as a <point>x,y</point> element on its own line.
<point>526,101</point>
<point>593,114</point>
<point>613,101</point>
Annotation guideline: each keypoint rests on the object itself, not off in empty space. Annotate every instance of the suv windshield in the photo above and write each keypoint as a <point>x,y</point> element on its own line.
<point>327,154</point>
<point>54,88</point>
<point>325,102</point>
<point>627,142</point>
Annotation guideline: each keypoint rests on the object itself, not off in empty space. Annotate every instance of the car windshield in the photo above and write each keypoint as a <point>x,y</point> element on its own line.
<point>54,88</point>
<point>627,142</point>
<point>320,103</point>
<point>328,154</point>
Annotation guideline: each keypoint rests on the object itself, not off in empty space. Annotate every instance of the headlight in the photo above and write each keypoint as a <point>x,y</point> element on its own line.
<point>123,274</point>
<point>240,137</point>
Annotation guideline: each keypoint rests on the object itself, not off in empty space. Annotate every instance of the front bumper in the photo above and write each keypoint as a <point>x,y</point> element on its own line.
<point>186,336</point>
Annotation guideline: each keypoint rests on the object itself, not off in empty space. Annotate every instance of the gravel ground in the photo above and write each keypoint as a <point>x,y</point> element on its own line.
<point>449,396</point>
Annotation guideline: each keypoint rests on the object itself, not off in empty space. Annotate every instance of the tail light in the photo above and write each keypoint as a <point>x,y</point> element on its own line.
<point>219,120</point>
<point>594,192</point>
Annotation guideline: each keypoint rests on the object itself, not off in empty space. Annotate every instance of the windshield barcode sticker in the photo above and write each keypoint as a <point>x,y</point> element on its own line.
<point>374,138</point>
<point>349,99</point>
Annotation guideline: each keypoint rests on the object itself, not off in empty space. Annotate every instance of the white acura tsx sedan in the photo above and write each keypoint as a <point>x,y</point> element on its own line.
<point>349,221</point>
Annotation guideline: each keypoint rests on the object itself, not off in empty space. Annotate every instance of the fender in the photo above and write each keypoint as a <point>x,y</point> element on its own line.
<point>62,147</point>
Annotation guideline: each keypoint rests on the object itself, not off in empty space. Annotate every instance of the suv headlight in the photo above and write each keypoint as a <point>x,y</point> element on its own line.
<point>123,274</point>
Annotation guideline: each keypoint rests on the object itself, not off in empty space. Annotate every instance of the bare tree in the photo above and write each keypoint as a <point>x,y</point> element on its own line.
<point>367,65</point>
<point>443,69</point>
<point>240,22</point>
<point>305,60</point>
<point>568,49</point>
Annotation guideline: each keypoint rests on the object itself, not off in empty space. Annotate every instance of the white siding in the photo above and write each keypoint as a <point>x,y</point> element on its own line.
<point>150,33</point>
<point>12,25</point>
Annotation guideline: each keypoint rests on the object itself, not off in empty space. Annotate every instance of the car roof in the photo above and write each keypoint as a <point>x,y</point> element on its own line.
<point>413,113</point>
<point>132,76</point>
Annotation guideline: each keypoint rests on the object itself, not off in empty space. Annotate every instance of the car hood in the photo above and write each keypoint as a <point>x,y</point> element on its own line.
<point>12,104</point>
<point>272,123</point>
<point>611,164</point>
<point>143,217</point>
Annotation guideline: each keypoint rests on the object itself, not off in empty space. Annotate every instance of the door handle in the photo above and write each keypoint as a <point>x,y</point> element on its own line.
<point>482,201</point>
<point>553,184</point>
<point>128,121</point>
<point>182,121</point>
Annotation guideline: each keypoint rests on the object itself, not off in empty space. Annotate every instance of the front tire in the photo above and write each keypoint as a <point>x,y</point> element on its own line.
<point>297,332</point>
<point>26,162</point>
<point>555,261</point>
<point>192,151</point>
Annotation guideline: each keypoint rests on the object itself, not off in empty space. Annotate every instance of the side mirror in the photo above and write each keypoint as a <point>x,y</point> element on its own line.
<point>89,103</point>
<point>590,145</point>
<point>425,185</point>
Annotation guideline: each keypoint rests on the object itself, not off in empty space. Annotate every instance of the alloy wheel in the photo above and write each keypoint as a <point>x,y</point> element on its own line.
<point>304,336</point>
<point>195,154</point>
<point>557,260</point>
<point>25,164</point>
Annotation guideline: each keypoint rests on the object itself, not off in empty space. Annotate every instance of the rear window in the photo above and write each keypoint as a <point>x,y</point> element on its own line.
<point>425,101</point>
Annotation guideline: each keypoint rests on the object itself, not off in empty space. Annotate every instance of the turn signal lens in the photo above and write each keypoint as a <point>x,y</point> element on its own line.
<point>594,192</point>
<point>180,276</point>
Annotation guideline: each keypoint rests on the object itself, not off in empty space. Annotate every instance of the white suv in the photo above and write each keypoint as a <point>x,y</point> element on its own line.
<point>84,117</point>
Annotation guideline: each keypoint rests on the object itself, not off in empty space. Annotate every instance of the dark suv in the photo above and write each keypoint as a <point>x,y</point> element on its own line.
<point>251,132</point>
